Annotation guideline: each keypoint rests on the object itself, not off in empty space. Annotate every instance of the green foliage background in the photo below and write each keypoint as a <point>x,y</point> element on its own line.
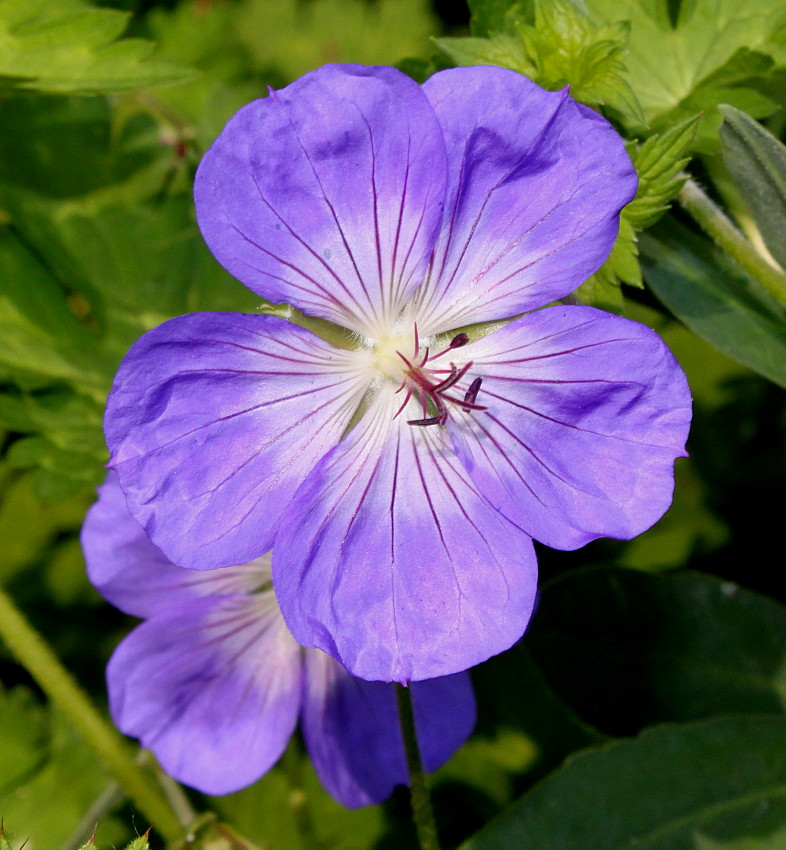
<point>645,706</point>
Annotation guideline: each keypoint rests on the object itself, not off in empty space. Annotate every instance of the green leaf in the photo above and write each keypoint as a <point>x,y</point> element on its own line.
<point>717,47</point>
<point>659,163</point>
<point>27,528</point>
<point>757,163</point>
<point>678,646</point>
<point>70,46</point>
<point>292,38</point>
<point>501,49</point>
<point>24,732</point>
<point>50,804</point>
<point>602,289</point>
<point>41,338</point>
<point>701,785</point>
<point>715,299</point>
<point>494,16</point>
<point>562,47</point>
<point>265,812</point>
<point>71,147</point>
<point>689,527</point>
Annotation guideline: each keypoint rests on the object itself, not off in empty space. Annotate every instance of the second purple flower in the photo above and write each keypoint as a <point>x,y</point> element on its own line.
<point>400,481</point>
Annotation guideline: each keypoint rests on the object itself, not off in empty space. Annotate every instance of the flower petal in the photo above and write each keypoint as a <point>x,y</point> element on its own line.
<point>391,561</point>
<point>328,194</point>
<point>535,188</point>
<point>214,693</point>
<point>135,575</point>
<point>353,735</point>
<point>214,421</point>
<point>586,414</point>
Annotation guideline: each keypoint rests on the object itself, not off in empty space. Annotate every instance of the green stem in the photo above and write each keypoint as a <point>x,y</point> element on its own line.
<point>720,228</point>
<point>422,812</point>
<point>33,652</point>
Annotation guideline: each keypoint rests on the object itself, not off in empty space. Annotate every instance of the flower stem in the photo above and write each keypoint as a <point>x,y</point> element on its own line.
<point>36,655</point>
<point>722,230</point>
<point>422,812</point>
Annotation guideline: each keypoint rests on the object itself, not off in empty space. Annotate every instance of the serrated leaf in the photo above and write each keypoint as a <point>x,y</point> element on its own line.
<point>676,71</point>
<point>71,46</point>
<point>659,162</point>
<point>757,163</point>
<point>562,47</point>
<point>671,788</point>
<point>679,646</point>
<point>603,288</point>
<point>715,299</point>
<point>500,49</point>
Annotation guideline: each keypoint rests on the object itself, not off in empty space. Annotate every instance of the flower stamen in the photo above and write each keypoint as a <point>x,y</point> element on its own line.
<point>432,384</point>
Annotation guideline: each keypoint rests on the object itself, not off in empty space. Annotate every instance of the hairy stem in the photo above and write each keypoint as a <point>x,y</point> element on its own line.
<point>721,229</point>
<point>36,655</point>
<point>422,811</point>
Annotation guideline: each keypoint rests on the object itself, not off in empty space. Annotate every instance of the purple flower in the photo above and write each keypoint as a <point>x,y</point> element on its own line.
<point>213,682</point>
<point>400,479</point>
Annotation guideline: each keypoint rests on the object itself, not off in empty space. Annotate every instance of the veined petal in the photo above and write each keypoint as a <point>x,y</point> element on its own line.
<point>214,421</point>
<point>328,194</point>
<point>391,561</point>
<point>536,183</point>
<point>586,414</point>
<point>214,693</point>
<point>134,575</point>
<point>353,734</point>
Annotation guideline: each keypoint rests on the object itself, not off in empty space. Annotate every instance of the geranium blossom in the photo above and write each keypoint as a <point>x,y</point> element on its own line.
<point>400,476</point>
<point>213,682</point>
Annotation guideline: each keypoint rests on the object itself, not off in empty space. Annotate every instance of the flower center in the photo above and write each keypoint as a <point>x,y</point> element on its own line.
<point>433,383</point>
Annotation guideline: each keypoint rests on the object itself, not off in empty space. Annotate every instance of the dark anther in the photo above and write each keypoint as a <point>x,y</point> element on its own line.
<point>458,340</point>
<point>471,395</point>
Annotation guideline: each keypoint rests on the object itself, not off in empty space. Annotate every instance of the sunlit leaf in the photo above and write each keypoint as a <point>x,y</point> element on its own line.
<point>71,46</point>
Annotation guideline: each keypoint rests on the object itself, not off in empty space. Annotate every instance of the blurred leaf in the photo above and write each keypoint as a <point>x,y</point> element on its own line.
<point>715,54</point>
<point>715,299</point>
<point>23,726</point>
<point>71,46</point>
<point>524,730</point>
<point>757,162</point>
<point>671,788</point>
<point>287,38</point>
<point>66,146</point>
<point>27,528</point>
<point>49,805</point>
<point>625,649</point>
<point>688,528</point>
<point>40,336</point>
<point>265,813</point>
<point>563,47</point>
<point>494,16</point>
